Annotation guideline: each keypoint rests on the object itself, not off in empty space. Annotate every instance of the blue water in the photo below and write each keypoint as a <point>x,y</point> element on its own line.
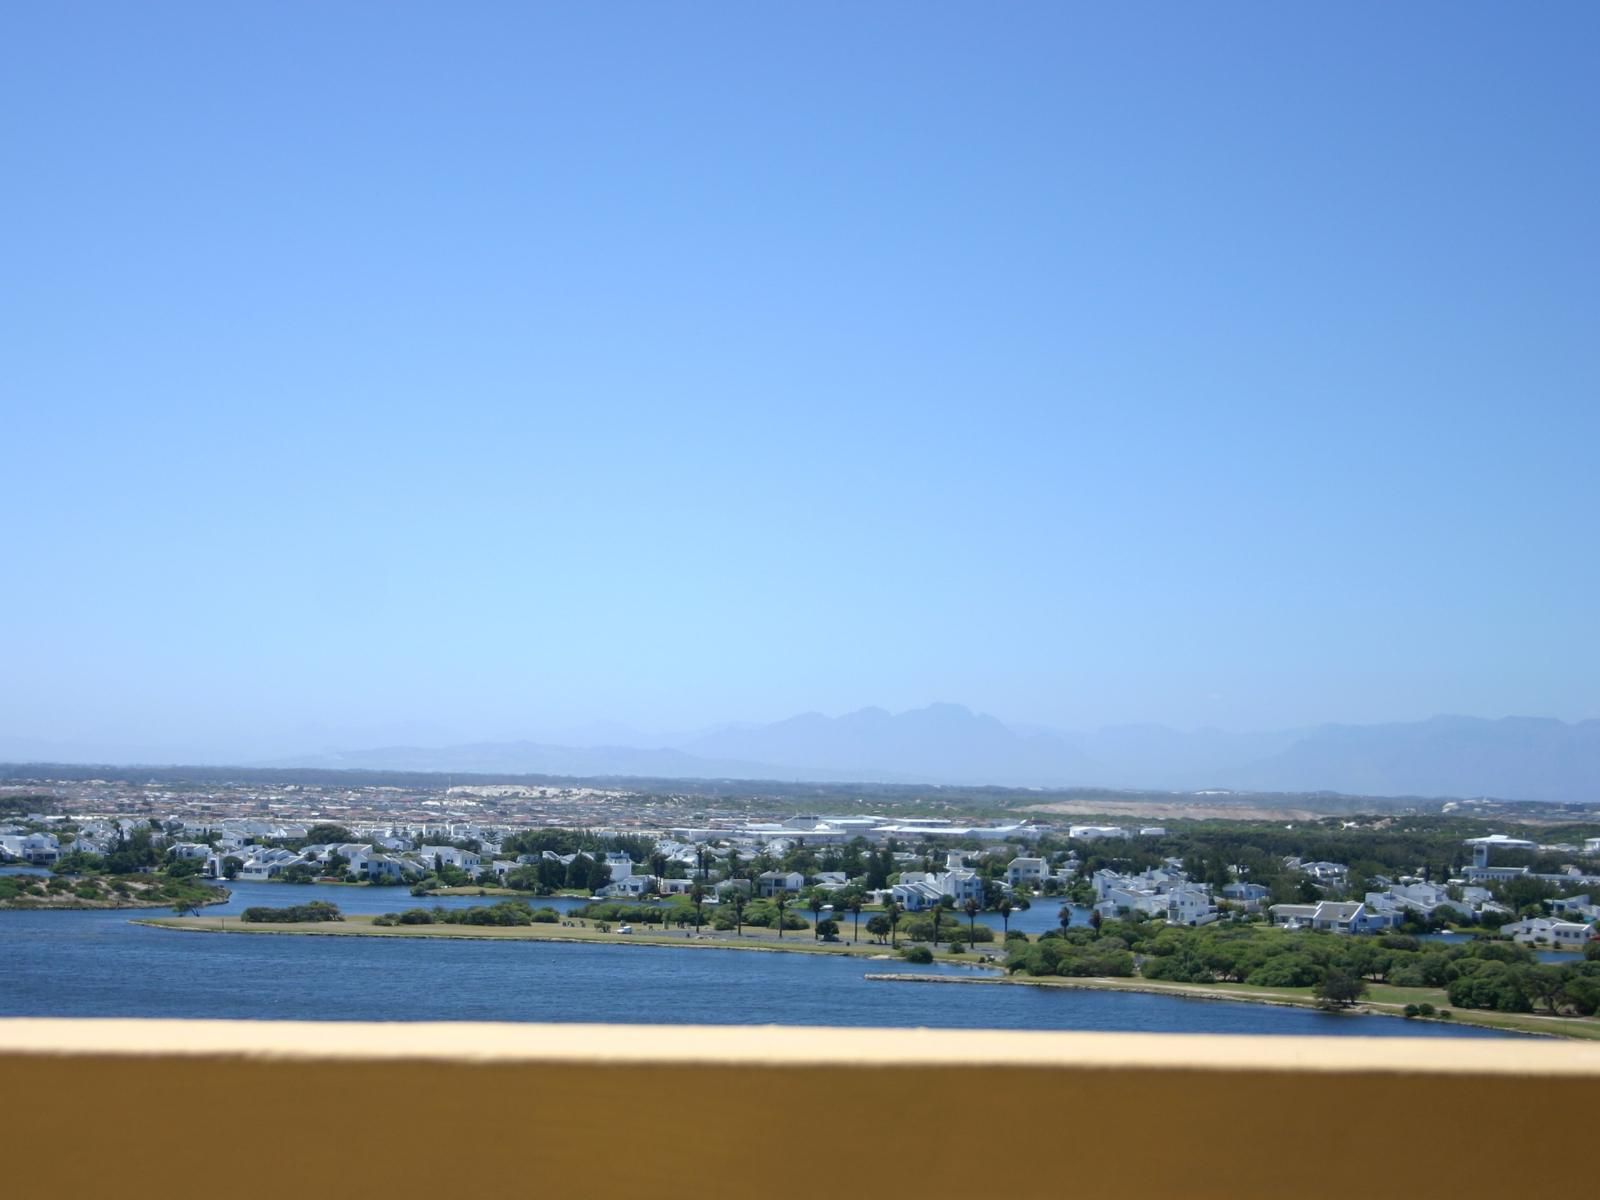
<point>97,964</point>
<point>1545,956</point>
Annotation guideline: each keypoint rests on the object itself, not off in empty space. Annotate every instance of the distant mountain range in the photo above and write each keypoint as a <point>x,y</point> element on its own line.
<point>1517,758</point>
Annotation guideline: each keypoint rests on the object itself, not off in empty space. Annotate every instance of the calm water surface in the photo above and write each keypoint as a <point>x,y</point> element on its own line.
<point>97,964</point>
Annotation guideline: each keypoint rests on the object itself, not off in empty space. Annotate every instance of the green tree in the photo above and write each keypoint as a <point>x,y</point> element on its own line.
<point>780,901</point>
<point>878,927</point>
<point>855,911</point>
<point>815,905</point>
<point>971,909</point>
<point>328,833</point>
<point>1005,916</point>
<point>1339,987</point>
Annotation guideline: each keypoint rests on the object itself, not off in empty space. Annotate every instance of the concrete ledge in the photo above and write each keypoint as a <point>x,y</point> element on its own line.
<point>465,1042</point>
<point>147,1108</point>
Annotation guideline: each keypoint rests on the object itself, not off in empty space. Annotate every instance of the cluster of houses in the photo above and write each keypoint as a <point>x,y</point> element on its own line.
<point>35,849</point>
<point>43,849</point>
<point>1460,900</point>
<point>1165,891</point>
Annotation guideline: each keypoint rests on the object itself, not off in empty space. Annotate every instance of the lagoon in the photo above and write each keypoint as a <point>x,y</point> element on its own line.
<point>99,964</point>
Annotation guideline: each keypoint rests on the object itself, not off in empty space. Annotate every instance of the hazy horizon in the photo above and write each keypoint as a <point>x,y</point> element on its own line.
<point>422,376</point>
<point>293,744</point>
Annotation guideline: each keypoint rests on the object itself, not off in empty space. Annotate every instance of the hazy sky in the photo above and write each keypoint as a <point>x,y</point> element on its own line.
<point>476,370</point>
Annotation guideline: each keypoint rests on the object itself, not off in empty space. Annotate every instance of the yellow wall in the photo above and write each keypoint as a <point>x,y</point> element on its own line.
<point>160,1109</point>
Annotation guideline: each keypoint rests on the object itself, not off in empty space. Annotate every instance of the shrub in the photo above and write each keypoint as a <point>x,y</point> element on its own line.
<point>294,914</point>
<point>1411,1010</point>
<point>1424,1009</point>
<point>958,947</point>
<point>917,954</point>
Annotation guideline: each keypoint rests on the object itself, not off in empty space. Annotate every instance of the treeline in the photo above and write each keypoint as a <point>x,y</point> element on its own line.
<point>1477,974</point>
<point>506,912</point>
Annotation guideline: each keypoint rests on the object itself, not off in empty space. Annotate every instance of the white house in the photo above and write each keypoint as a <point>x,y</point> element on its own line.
<point>1027,872</point>
<point>1327,873</point>
<point>1250,895</point>
<point>40,849</point>
<point>450,856</point>
<point>268,862</point>
<point>1425,899</point>
<point>1349,916</point>
<point>770,883</point>
<point>1546,931</point>
<point>1092,833</point>
<point>386,867</point>
<point>630,886</point>
<point>1576,908</point>
<point>918,894</point>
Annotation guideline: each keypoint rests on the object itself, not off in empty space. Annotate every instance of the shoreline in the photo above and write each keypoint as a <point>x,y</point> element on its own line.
<point>1566,1028</point>
<point>360,926</point>
<point>101,906</point>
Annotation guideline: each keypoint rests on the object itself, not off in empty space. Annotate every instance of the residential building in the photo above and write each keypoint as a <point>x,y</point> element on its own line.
<point>1027,872</point>
<point>770,883</point>
<point>1546,931</point>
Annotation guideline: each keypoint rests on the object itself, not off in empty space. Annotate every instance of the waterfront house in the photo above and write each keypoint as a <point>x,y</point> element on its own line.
<point>451,856</point>
<point>632,887</point>
<point>1027,872</point>
<point>1546,931</point>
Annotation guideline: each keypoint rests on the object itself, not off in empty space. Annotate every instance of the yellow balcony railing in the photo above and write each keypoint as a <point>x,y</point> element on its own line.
<point>125,1110</point>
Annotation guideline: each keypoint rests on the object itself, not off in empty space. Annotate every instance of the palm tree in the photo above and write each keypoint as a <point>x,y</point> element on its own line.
<point>815,905</point>
<point>893,910</point>
<point>733,862</point>
<point>738,912</point>
<point>971,908</point>
<point>938,911</point>
<point>698,895</point>
<point>855,911</point>
<point>781,902</point>
<point>1066,916</point>
<point>1005,915</point>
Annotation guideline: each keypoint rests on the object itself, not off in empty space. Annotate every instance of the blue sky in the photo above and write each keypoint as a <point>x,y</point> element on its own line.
<point>442,371</point>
